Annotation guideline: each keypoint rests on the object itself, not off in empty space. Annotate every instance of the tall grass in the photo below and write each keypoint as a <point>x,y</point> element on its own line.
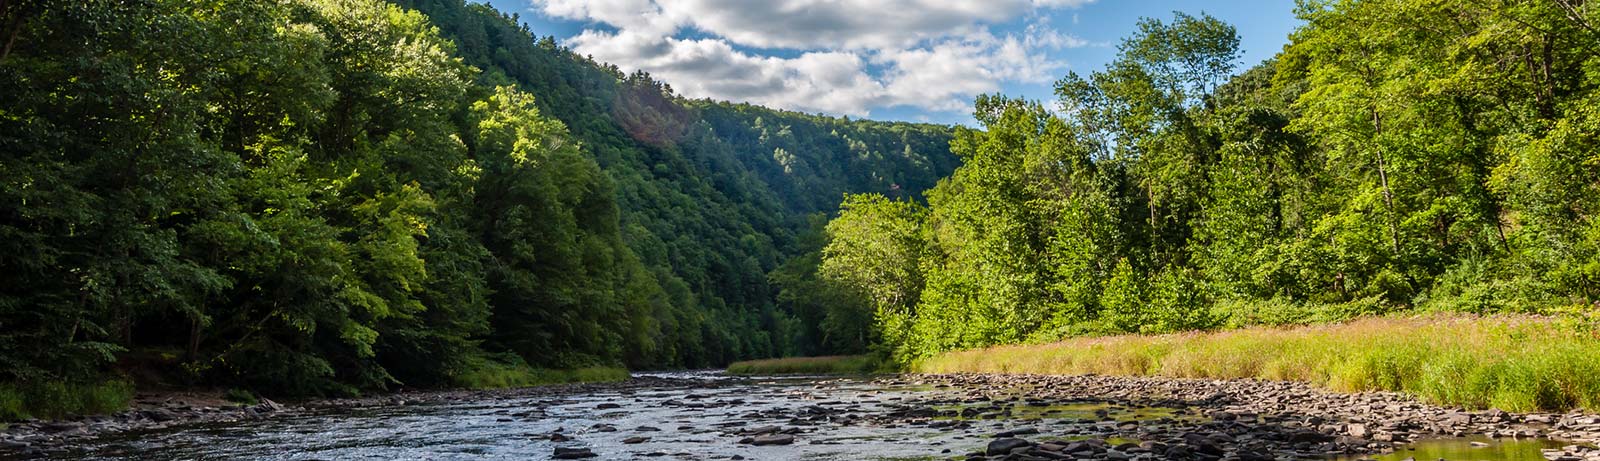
<point>494,374</point>
<point>828,365</point>
<point>58,399</point>
<point>1515,363</point>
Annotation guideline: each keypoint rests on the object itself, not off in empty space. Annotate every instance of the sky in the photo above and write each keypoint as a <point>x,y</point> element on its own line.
<point>913,60</point>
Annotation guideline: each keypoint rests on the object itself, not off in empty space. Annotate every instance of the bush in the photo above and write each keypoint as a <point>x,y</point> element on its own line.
<point>53,400</point>
<point>829,365</point>
<point>1179,302</point>
<point>1123,301</point>
<point>243,396</point>
<point>508,370</point>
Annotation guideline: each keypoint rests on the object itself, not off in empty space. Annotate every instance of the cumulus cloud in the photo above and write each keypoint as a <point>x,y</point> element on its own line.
<point>840,56</point>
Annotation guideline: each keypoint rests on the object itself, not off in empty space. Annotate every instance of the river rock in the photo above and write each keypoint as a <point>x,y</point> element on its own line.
<point>8,444</point>
<point>573,453</point>
<point>1005,445</point>
<point>1356,430</point>
<point>775,439</point>
<point>1017,432</point>
<point>268,406</point>
<point>159,415</point>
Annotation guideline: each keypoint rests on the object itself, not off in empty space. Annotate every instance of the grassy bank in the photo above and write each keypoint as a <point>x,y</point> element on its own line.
<point>830,365</point>
<point>56,400</point>
<point>491,374</point>
<point>1511,363</point>
<point>59,400</point>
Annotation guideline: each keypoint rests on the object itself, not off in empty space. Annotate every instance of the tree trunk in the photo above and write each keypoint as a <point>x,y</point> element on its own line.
<point>15,27</point>
<point>1383,177</point>
<point>194,339</point>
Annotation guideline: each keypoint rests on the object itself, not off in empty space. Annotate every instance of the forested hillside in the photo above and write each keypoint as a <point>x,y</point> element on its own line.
<point>330,196</point>
<point>713,195</point>
<point>1395,156</point>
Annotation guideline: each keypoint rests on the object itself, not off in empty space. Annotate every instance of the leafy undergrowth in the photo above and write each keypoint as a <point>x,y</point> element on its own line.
<point>1515,363</point>
<point>828,365</point>
<point>494,374</point>
<point>56,400</point>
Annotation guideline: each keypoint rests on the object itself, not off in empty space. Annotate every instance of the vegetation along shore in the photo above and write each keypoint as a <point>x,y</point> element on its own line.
<point>1387,231</point>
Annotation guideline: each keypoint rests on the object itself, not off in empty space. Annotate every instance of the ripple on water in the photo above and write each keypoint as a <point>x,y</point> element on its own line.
<point>695,421</point>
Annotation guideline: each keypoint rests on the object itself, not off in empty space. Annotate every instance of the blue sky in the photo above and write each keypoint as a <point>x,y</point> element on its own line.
<point>917,60</point>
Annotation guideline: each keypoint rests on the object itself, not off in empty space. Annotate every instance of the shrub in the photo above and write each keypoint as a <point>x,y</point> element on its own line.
<point>830,365</point>
<point>60,399</point>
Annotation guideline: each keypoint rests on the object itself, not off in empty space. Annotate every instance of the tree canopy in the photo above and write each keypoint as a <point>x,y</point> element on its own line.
<point>1397,155</point>
<point>329,196</point>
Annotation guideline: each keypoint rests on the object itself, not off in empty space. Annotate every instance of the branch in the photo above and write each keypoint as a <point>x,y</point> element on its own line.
<point>1576,16</point>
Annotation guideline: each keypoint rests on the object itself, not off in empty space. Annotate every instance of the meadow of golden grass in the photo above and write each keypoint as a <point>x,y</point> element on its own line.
<point>1515,363</point>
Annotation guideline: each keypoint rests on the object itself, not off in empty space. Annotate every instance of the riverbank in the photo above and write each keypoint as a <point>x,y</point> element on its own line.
<point>163,411</point>
<point>1513,363</point>
<point>825,365</point>
<point>894,417</point>
<point>973,416</point>
<point>53,401</point>
<point>1255,419</point>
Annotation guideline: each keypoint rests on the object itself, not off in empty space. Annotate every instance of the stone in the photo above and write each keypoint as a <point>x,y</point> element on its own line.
<point>1356,430</point>
<point>1005,445</point>
<point>573,453</point>
<point>13,444</point>
<point>1017,432</point>
<point>159,415</point>
<point>268,406</point>
<point>775,439</point>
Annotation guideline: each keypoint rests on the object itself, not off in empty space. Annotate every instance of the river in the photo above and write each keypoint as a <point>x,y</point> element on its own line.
<point>710,416</point>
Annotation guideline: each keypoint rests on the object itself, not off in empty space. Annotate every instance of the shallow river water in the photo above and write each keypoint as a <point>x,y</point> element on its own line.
<point>692,417</point>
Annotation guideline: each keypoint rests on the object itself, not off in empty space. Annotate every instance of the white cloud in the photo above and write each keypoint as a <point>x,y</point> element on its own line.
<point>853,55</point>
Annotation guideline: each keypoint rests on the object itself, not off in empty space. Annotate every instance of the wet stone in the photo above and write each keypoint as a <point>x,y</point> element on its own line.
<point>573,453</point>
<point>777,439</point>
<point>1005,445</point>
<point>1144,419</point>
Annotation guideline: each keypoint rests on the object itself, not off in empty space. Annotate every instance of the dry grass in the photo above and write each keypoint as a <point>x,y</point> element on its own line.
<point>1516,363</point>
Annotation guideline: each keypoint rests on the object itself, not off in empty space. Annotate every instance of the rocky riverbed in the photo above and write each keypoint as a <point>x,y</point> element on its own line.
<point>710,416</point>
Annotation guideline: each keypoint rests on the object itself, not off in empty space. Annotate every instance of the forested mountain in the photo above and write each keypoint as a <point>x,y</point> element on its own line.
<point>1396,155</point>
<point>329,196</point>
<point>713,195</point>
